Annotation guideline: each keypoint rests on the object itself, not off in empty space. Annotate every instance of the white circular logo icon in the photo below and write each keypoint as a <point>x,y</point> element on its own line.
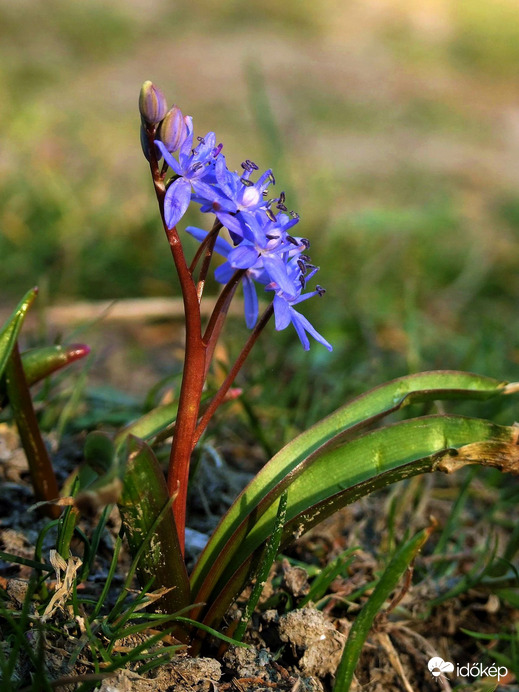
<point>438,666</point>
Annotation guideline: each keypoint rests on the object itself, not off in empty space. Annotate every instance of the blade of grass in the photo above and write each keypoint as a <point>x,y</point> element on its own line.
<point>264,567</point>
<point>363,622</point>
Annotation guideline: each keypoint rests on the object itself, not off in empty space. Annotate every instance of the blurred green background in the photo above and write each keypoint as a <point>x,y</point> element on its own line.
<point>393,125</point>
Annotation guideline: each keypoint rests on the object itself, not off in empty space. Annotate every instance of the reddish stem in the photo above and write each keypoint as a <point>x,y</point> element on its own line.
<point>219,397</point>
<point>194,363</point>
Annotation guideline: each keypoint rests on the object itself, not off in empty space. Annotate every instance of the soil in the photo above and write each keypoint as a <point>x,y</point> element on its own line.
<point>289,648</point>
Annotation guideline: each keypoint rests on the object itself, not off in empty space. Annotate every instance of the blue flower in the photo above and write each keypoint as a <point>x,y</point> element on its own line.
<point>224,273</point>
<point>284,312</point>
<point>191,167</point>
<point>233,193</point>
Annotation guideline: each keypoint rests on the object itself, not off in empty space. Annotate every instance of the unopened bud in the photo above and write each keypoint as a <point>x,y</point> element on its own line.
<point>173,130</point>
<point>152,103</point>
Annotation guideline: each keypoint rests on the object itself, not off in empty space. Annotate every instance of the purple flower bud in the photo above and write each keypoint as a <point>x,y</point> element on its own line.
<point>173,130</point>
<point>152,103</point>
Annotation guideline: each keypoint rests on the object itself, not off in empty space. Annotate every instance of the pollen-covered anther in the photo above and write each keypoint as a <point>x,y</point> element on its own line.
<point>281,207</point>
<point>282,197</point>
<point>320,290</point>
<point>271,177</point>
<point>246,182</point>
<point>270,214</point>
<point>293,214</point>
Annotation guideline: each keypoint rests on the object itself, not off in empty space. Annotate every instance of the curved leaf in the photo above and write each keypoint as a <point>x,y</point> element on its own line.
<point>337,476</point>
<point>360,413</point>
<point>143,499</point>
<point>11,329</point>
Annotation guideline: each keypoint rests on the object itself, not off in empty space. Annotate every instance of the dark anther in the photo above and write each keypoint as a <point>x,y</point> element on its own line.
<point>270,214</point>
<point>305,242</point>
<point>320,290</point>
<point>252,165</point>
<point>311,266</point>
<point>292,240</point>
<point>294,214</point>
<point>305,258</point>
<point>281,197</point>
<point>271,237</point>
<point>246,182</point>
<point>271,178</point>
<point>281,207</point>
<point>301,265</point>
<point>201,140</point>
<point>302,281</point>
<point>265,193</point>
<point>197,166</point>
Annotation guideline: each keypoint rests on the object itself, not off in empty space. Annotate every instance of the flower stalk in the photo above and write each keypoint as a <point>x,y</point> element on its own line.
<point>262,252</point>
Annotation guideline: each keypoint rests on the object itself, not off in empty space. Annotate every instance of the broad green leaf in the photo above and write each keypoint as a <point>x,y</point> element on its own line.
<point>364,621</point>
<point>339,475</point>
<point>11,329</point>
<point>345,422</point>
<point>144,497</point>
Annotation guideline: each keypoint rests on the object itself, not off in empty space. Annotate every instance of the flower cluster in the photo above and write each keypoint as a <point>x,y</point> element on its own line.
<point>259,226</point>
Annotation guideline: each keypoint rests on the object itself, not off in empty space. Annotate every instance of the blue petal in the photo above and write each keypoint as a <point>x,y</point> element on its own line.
<point>276,269</point>
<point>170,160</point>
<point>223,273</point>
<point>301,324</point>
<point>176,201</point>
<point>243,256</point>
<point>281,313</point>
<point>250,302</point>
<point>230,222</point>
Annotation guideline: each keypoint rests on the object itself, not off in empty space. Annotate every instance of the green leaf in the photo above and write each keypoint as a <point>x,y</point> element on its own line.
<point>341,425</point>
<point>340,475</point>
<point>151,425</point>
<point>364,620</point>
<point>143,499</point>
<point>11,329</point>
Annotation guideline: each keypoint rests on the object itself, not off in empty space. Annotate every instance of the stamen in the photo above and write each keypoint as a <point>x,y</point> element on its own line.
<point>217,150</point>
<point>281,207</point>
<point>294,214</point>
<point>271,178</point>
<point>292,240</point>
<point>265,193</point>
<point>270,214</point>
<point>246,182</point>
<point>305,242</point>
<point>305,258</point>
<point>252,165</point>
<point>320,290</point>
<point>201,140</point>
<point>281,197</point>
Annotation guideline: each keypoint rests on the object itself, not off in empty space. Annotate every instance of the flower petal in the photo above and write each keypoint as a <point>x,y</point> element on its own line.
<point>301,325</point>
<point>176,201</point>
<point>250,302</point>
